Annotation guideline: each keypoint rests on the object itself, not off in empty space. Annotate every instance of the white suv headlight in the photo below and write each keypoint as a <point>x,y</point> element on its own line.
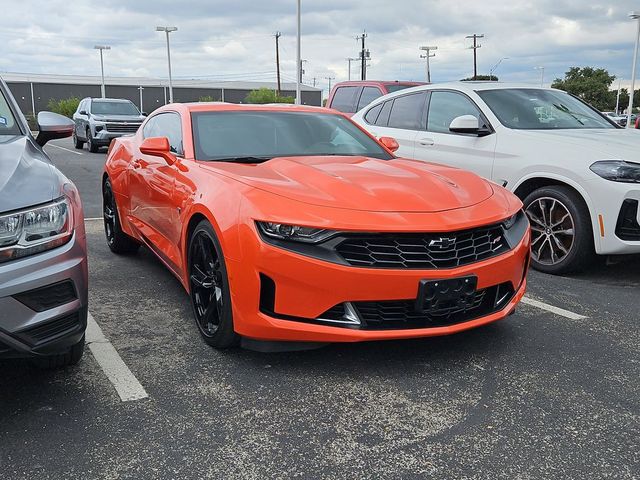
<point>617,170</point>
<point>35,230</point>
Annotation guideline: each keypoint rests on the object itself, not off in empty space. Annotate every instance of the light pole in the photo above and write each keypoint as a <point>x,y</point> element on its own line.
<point>541,75</point>
<point>168,30</point>
<point>101,48</point>
<point>633,16</point>
<point>298,59</point>
<point>428,55</point>
<point>495,67</point>
<point>141,88</point>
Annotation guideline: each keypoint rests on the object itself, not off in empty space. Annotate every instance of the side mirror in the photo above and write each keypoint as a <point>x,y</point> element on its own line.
<point>390,143</point>
<point>52,126</point>
<point>158,147</point>
<point>144,114</point>
<point>83,112</point>
<point>468,124</point>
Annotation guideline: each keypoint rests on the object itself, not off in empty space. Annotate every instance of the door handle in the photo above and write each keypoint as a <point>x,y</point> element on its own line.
<point>427,142</point>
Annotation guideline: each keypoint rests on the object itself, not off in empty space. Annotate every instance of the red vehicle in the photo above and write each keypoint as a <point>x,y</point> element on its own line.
<point>292,224</point>
<point>350,97</point>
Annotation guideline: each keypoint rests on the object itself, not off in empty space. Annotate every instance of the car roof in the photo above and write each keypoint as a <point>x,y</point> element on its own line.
<point>111,100</point>
<point>377,82</point>
<point>275,107</point>
<point>476,86</point>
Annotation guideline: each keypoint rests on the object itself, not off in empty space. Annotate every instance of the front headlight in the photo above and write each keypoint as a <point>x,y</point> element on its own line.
<point>295,233</point>
<point>35,230</point>
<point>617,171</point>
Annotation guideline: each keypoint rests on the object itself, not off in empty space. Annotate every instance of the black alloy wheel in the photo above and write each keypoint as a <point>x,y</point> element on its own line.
<point>209,288</point>
<point>118,241</point>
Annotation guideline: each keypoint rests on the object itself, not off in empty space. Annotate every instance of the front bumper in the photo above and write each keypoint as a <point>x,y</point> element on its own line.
<point>608,199</point>
<point>37,316</point>
<point>306,288</point>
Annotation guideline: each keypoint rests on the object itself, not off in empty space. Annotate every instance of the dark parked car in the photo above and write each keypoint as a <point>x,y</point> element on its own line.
<point>43,253</point>
<point>350,97</point>
<point>99,120</point>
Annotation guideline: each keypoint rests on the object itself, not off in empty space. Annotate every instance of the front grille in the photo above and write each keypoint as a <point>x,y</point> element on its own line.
<point>51,296</point>
<point>627,227</point>
<point>122,127</point>
<point>402,314</point>
<point>424,250</point>
<point>50,330</point>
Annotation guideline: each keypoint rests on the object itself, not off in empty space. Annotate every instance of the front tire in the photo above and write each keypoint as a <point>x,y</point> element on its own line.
<point>77,143</point>
<point>67,359</point>
<point>118,241</point>
<point>561,233</point>
<point>209,288</point>
<point>91,143</point>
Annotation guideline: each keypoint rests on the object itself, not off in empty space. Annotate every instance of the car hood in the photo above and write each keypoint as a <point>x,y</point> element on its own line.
<point>118,118</point>
<point>362,183</point>
<point>26,176</point>
<point>603,144</point>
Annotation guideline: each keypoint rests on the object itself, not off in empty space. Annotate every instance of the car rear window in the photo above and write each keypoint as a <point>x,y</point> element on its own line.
<point>395,87</point>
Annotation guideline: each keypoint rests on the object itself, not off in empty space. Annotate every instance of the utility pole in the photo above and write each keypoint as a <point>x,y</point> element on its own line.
<point>314,81</point>
<point>302,62</point>
<point>278,35</point>
<point>298,57</point>
<point>330,78</point>
<point>167,31</point>
<point>541,75</point>
<point>475,48</point>
<point>428,55</point>
<point>141,88</point>
<point>618,98</point>
<point>364,56</point>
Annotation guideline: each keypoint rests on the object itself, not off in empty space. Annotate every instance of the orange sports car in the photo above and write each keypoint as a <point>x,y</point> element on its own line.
<point>291,227</point>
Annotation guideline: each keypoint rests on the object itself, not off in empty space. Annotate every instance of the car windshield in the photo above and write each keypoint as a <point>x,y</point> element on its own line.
<point>114,108</point>
<point>537,109</point>
<point>8,124</point>
<point>261,135</point>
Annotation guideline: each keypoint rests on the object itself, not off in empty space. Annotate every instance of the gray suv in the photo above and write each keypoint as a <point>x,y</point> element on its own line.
<point>43,252</point>
<point>98,120</point>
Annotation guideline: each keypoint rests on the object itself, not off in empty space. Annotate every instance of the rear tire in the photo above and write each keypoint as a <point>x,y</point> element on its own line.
<point>118,241</point>
<point>561,232</point>
<point>79,144</point>
<point>209,288</point>
<point>91,144</point>
<point>67,359</point>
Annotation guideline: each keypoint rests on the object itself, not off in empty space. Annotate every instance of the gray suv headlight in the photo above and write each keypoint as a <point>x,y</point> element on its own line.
<point>35,230</point>
<point>617,171</point>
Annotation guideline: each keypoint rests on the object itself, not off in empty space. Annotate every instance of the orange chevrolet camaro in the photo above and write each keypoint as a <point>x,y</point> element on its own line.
<point>291,227</point>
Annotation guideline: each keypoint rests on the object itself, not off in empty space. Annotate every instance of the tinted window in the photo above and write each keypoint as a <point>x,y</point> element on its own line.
<point>369,94</point>
<point>8,125</point>
<point>166,125</point>
<point>536,109</point>
<point>114,108</point>
<point>345,99</point>
<point>383,118</point>
<point>372,115</point>
<point>268,134</point>
<point>407,112</point>
<point>394,87</point>
<point>445,106</point>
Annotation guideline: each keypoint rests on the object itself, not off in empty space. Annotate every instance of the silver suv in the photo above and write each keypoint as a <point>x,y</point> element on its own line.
<point>98,120</point>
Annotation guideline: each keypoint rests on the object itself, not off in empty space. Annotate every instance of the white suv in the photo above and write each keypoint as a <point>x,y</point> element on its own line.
<point>577,172</point>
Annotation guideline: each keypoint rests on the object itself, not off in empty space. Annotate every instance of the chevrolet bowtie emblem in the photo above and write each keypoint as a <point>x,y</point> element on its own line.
<point>442,242</point>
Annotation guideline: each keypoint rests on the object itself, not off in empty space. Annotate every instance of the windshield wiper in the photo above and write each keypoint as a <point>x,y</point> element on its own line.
<point>566,110</point>
<point>247,159</point>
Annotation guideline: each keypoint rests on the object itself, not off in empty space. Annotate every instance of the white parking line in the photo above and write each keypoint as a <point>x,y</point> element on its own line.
<point>550,308</point>
<point>125,383</point>
<point>62,148</point>
<point>93,219</point>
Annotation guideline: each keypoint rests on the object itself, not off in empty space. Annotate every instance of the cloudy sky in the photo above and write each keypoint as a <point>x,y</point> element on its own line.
<point>233,40</point>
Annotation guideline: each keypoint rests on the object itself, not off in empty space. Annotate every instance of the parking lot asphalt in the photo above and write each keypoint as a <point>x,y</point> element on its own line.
<point>538,395</point>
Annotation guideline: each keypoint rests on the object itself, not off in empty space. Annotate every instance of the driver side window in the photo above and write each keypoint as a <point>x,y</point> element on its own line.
<point>166,125</point>
<point>444,107</point>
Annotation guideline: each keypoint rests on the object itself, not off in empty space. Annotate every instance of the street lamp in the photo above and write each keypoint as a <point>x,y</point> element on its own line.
<point>541,75</point>
<point>350,60</point>
<point>168,30</point>
<point>101,48</point>
<point>298,59</point>
<point>633,16</point>
<point>495,67</point>
<point>428,55</point>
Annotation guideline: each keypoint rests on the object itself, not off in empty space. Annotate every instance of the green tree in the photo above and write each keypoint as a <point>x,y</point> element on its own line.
<point>590,84</point>
<point>492,78</point>
<point>265,95</point>
<point>66,106</point>
<point>207,98</point>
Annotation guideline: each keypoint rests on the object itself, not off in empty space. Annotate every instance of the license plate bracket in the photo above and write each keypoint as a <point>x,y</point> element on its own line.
<point>446,295</point>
